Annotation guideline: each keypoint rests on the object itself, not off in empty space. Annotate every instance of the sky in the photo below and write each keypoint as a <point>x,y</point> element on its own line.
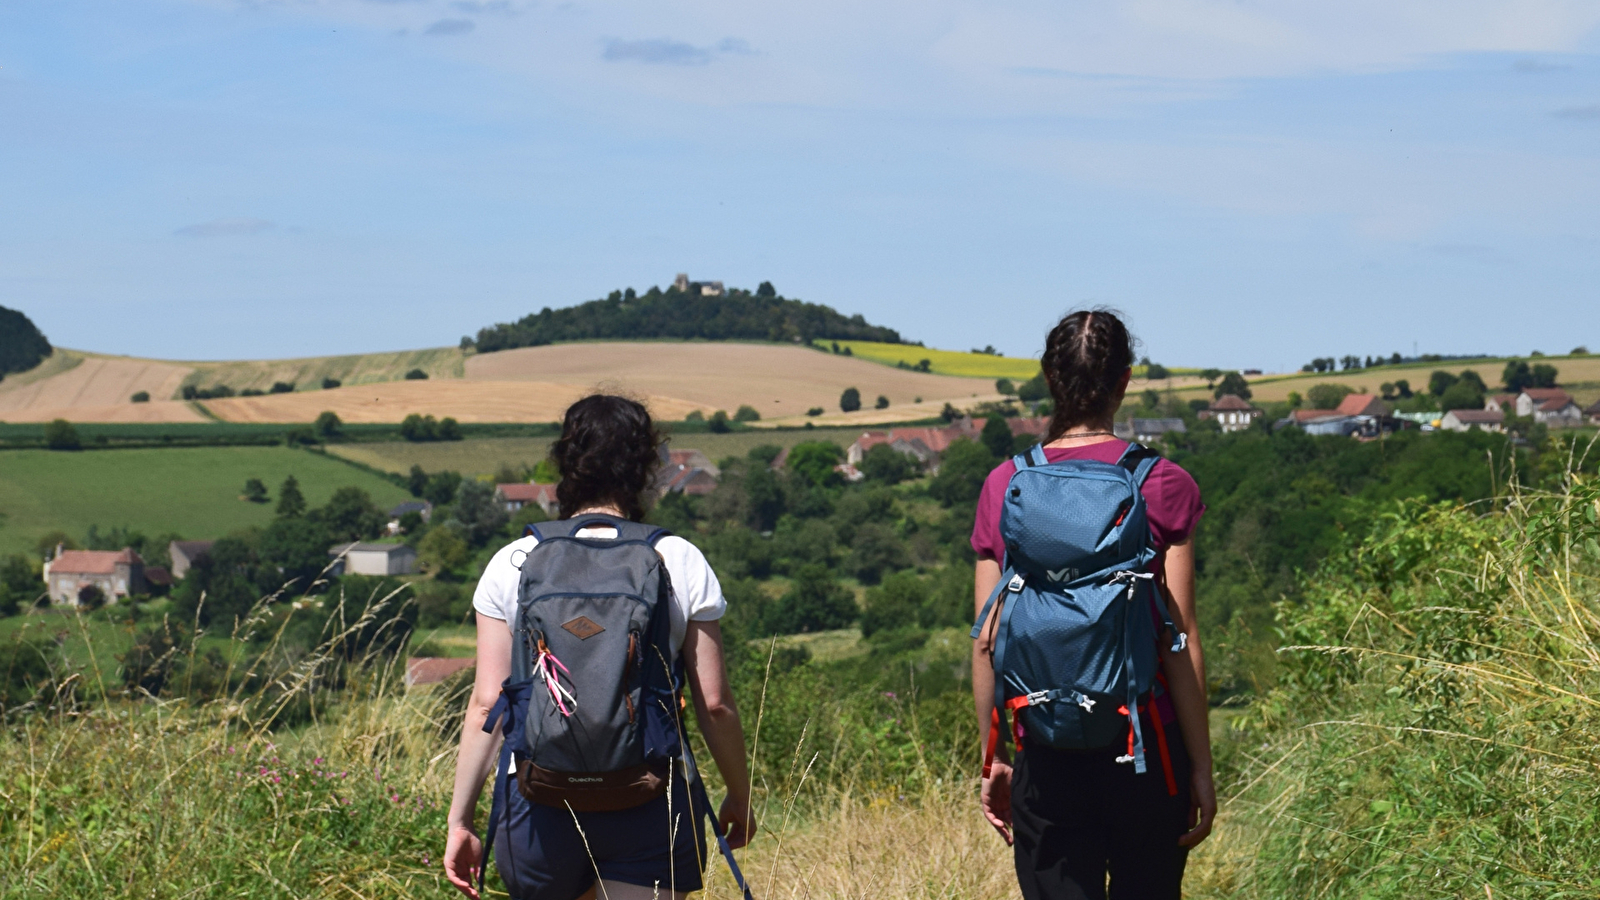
<point>1254,183</point>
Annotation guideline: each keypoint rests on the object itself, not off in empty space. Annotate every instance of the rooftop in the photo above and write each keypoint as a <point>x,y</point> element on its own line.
<point>365,547</point>
<point>1229,403</point>
<point>93,562</point>
<point>1478,416</point>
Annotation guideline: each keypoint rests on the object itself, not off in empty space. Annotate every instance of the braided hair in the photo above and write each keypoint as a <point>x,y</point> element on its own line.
<point>607,453</point>
<point>1085,358</point>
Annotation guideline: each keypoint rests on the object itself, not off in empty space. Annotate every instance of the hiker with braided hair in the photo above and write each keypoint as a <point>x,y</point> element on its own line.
<point>1086,652</point>
<point>588,628</point>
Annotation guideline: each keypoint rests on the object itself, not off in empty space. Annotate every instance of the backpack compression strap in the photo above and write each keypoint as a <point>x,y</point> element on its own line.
<point>697,794</point>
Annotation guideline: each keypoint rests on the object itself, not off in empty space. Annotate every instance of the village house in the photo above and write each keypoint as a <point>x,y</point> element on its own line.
<point>1552,406</point>
<point>1363,405</point>
<point>1506,403</point>
<point>363,558</point>
<point>927,445</point>
<point>117,574</point>
<point>184,554</point>
<point>421,507</point>
<point>1468,419</point>
<point>1231,412</point>
<point>686,472</point>
<point>1593,413</point>
<point>516,495</point>
<point>1148,431</point>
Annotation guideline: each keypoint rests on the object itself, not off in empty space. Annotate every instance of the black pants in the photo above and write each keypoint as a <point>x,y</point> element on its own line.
<point>1080,816</point>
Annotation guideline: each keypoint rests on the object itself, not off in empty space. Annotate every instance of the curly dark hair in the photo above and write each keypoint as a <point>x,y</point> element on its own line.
<point>608,453</point>
<point>1085,358</point>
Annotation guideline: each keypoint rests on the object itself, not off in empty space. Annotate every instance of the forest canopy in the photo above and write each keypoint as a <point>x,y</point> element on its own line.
<point>736,315</point>
<point>22,346</point>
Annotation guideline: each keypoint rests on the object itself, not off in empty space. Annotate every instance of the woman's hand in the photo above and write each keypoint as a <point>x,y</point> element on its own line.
<point>463,853</point>
<point>738,821</point>
<point>1203,808</point>
<point>995,797</point>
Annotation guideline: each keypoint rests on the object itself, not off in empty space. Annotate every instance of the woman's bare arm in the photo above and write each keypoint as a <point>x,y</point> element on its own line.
<point>1186,678</point>
<point>718,716</point>
<point>475,760</point>
<point>995,794</point>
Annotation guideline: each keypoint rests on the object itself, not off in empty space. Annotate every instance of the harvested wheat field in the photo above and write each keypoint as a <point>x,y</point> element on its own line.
<point>90,388</point>
<point>466,401</point>
<point>781,382</point>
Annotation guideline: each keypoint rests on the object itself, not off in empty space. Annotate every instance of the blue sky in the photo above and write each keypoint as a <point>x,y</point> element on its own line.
<point>1254,182</point>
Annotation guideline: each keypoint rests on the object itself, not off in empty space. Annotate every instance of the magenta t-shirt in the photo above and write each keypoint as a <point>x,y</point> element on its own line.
<point>1171,500</point>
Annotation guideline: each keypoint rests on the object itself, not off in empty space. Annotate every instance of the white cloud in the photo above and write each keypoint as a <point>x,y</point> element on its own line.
<point>449,27</point>
<point>226,228</point>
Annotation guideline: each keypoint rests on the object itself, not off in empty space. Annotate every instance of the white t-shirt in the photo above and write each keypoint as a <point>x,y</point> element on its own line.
<point>696,593</point>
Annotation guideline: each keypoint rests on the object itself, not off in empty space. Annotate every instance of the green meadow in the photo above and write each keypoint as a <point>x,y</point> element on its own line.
<point>193,492</point>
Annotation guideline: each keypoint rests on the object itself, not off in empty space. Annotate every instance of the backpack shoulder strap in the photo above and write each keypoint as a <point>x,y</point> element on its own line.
<point>1139,460</point>
<point>1034,457</point>
<point>529,530</point>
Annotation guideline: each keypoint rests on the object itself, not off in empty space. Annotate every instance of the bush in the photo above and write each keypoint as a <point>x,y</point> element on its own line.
<point>60,435</point>
<point>255,491</point>
<point>329,384</point>
<point>416,375</point>
<point>747,413</point>
<point>1004,386</point>
<point>140,397</point>
<point>814,411</point>
<point>328,425</point>
<point>718,423</point>
<point>442,549</point>
<point>850,400</point>
<point>477,512</point>
<point>885,464</point>
<point>883,402</point>
<point>961,472</point>
<point>281,387</point>
<point>1328,396</point>
<point>1156,372</point>
<point>815,602</point>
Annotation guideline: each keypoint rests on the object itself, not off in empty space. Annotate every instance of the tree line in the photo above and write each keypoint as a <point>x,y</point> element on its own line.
<point>735,315</point>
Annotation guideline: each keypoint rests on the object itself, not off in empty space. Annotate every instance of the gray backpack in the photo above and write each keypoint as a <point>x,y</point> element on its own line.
<point>590,713</point>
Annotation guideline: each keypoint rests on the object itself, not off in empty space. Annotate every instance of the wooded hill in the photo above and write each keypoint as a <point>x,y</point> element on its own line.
<point>22,346</point>
<point>735,315</point>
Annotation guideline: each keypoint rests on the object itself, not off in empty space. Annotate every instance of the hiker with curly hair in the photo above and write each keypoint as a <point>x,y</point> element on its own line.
<point>587,629</point>
<point>1086,644</point>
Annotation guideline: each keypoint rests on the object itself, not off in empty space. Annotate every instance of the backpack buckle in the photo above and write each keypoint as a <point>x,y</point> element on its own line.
<point>1038,697</point>
<point>1016,584</point>
<point>1181,642</point>
<point>1087,702</point>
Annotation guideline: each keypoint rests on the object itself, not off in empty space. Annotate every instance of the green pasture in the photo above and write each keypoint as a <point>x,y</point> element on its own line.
<point>191,491</point>
<point>485,456</point>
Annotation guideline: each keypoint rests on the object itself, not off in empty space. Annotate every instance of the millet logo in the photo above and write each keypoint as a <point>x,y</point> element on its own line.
<point>1068,574</point>
<point>577,779</point>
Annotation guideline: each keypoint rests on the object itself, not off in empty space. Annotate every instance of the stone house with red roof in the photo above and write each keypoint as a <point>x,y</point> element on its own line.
<point>1552,406</point>
<point>517,495</point>
<point>117,573</point>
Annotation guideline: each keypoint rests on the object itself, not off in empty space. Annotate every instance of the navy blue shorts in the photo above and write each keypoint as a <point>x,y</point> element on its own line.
<point>541,855</point>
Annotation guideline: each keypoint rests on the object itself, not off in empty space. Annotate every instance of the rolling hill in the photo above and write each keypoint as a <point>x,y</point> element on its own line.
<point>530,384</point>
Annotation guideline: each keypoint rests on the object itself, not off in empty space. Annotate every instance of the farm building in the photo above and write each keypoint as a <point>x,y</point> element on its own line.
<point>1593,413</point>
<point>373,559</point>
<point>184,554</point>
<point>1147,431</point>
<point>117,573</point>
<point>1231,412</point>
<point>421,507</point>
<point>1552,406</point>
<point>1363,405</point>
<point>686,472</point>
<point>517,495</point>
<point>926,445</point>
<point>1468,419</point>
